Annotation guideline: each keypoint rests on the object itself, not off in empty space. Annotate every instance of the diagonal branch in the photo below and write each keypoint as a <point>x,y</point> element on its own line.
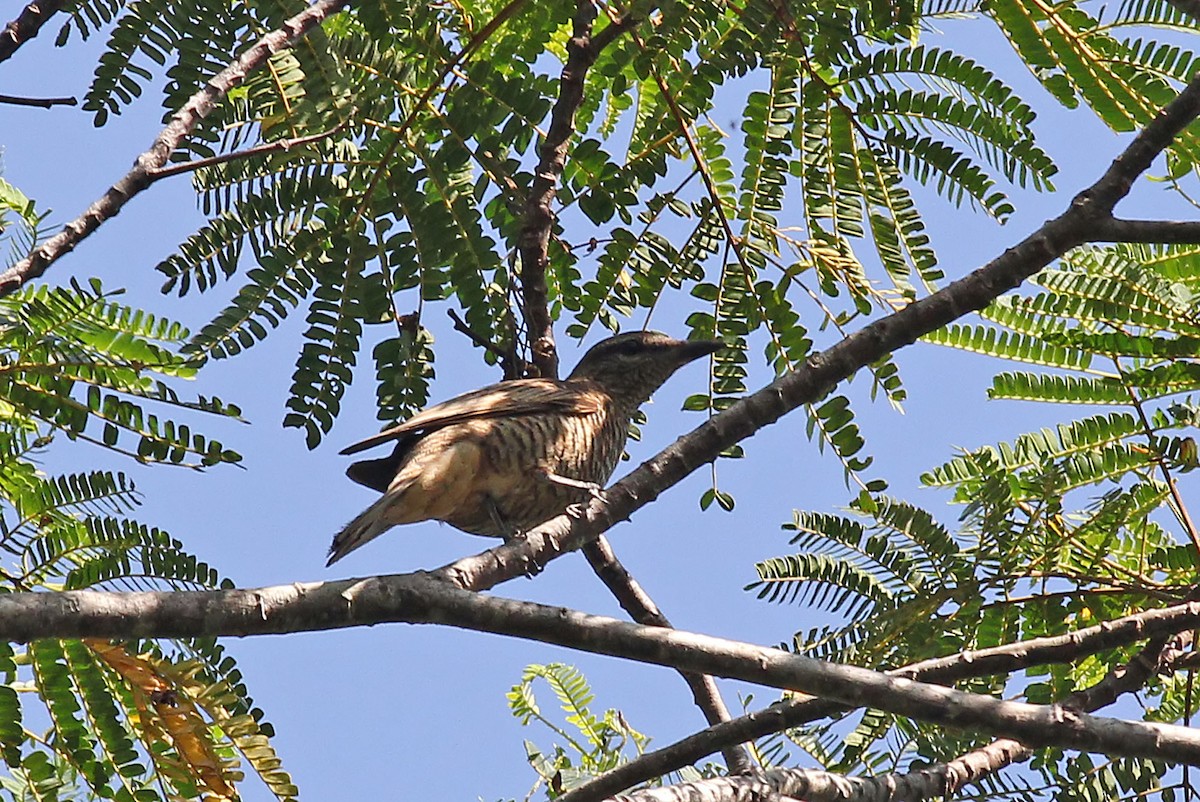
<point>1156,624</point>
<point>642,609</point>
<point>27,25</point>
<point>822,371</point>
<point>422,599</point>
<point>263,149</point>
<point>939,780</point>
<point>182,122</point>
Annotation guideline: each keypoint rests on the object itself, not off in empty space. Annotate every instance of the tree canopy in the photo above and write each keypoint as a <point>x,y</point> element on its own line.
<point>546,172</point>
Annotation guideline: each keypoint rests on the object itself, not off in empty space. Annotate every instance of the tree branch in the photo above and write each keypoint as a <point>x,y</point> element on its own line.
<point>1157,624</point>
<point>642,609</point>
<point>40,102</point>
<point>182,122</point>
<point>1189,7</point>
<point>1003,752</point>
<point>27,25</point>
<point>277,145</point>
<point>534,240</point>
<point>582,50</point>
<point>421,599</point>
<point>1174,232</point>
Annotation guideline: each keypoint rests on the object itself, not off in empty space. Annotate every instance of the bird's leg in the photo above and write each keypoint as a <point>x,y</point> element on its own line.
<point>594,489</point>
<point>507,531</point>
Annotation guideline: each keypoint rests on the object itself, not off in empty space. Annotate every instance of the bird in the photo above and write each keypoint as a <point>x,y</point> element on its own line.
<point>500,460</point>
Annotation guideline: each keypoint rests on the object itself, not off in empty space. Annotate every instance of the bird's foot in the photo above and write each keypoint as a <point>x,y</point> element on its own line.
<point>514,535</point>
<point>594,489</point>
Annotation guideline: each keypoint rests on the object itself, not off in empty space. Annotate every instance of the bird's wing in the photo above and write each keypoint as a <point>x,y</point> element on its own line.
<point>512,398</point>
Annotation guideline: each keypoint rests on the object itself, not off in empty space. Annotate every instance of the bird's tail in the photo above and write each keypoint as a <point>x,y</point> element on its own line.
<point>369,525</point>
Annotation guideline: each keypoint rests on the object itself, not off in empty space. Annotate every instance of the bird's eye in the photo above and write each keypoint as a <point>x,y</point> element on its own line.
<point>629,348</point>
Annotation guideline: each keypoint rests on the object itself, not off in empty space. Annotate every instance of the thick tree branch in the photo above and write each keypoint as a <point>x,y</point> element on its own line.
<point>785,785</point>
<point>1189,7</point>
<point>642,609</point>
<point>822,371</point>
<point>1003,752</point>
<point>182,122</point>
<point>421,599</point>
<point>1156,624</point>
<point>27,25</point>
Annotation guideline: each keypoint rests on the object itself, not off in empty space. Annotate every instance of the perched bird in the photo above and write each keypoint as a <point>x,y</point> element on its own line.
<point>501,460</point>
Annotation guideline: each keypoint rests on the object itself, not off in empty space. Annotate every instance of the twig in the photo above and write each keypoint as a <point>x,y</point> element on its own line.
<point>1180,508</point>
<point>642,609</point>
<point>258,150</point>
<point>40,102</point>
<point>182,122</point>
<point>27,25</point>
<point>510,367</point>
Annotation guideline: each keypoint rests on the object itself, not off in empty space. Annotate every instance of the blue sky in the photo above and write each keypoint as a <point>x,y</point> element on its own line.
<point>406,708</point>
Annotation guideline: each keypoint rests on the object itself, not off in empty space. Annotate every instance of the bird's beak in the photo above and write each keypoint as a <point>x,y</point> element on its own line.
<point>694,349</point>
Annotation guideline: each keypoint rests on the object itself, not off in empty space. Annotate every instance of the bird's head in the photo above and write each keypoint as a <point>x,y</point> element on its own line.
<point>631,366</point>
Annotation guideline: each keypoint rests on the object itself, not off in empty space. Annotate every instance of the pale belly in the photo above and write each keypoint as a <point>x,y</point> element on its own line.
<point>504,488</point>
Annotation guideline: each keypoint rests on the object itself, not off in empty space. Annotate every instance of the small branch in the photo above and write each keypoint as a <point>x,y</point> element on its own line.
<point>182,122</point>
<point>1158,624</point>
<point>1180,508</point>
<point>40,102</point>
<point>1171,232</point>
<point>635,601</point>
<point>511,367</point>
<point>258,150</point>
<point>27,25</point>
<point>534,240</point>
<point>614,30</point>
<point>422,599</point>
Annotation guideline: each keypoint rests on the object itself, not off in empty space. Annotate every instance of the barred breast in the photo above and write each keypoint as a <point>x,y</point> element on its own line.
<point>512,491</point>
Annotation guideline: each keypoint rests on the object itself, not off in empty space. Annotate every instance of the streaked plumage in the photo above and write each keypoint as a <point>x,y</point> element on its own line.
<point>479,462</point>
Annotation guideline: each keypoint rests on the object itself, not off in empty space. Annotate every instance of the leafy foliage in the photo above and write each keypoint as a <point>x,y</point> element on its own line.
<point>587,744</point>
<point>1062,527</point>
<point>416,193</point>
<point>125,721</point>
